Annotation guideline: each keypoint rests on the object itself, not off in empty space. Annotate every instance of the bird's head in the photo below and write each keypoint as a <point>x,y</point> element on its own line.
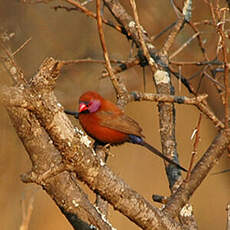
<point>90,102</point>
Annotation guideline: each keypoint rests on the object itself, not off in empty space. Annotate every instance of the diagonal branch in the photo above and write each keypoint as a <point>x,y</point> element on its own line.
<point>206,163</point>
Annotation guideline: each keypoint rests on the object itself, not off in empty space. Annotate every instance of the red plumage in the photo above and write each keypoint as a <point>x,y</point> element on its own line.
<point>106,123</point>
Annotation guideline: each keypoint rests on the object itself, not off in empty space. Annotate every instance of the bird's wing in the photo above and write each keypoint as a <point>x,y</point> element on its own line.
<point>120,123</point>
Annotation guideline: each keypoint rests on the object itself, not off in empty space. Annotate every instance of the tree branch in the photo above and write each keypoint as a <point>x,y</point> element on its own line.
<point>200,171</point>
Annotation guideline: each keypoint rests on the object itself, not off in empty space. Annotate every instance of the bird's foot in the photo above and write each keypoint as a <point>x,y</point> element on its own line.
<point>106,148</point>
<point>103,150</point>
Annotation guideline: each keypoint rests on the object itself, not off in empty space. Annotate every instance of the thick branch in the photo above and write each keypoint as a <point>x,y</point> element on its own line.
<point>13,96</point>
<point>42,152</point>
<point>63,188</point>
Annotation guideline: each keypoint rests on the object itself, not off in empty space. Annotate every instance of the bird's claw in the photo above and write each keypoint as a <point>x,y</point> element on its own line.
<point>106,148</point>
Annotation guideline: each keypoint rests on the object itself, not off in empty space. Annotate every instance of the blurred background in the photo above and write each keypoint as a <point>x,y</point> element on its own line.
<point>72,35</point>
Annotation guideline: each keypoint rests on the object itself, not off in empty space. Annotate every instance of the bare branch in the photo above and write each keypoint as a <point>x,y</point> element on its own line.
<point>118,86</point>
<point>200,171</point>
<point>139,96</point>
<point>22,46</point>
<point>26,213</point>
<point>123,66</point>
<point>89,60</point>
<point>196,132</point>
<point>204,109</point>
<point>92,14</point>
<point>184,45</point>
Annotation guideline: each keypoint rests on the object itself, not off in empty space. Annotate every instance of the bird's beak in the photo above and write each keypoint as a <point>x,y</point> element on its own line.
<point>82,107</point>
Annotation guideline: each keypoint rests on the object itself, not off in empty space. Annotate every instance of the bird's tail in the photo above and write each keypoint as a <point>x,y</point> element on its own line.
<point>158,153</point>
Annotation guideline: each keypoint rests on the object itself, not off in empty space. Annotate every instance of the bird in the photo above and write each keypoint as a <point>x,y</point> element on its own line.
<point>106,123</point>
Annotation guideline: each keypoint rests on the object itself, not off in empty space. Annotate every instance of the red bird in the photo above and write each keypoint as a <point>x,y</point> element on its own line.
<point>106,123</point>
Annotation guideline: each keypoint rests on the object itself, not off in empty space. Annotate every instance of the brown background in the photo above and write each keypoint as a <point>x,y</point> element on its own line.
<point>72,35</point>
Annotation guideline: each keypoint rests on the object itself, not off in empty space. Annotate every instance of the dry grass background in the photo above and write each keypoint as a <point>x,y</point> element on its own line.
<point>72,35</point>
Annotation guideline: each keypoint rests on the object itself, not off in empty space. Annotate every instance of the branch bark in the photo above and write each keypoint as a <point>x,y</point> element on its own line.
<point>44,145</point>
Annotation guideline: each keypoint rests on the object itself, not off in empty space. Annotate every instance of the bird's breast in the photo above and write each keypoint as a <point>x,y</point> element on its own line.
<point>91,125</point>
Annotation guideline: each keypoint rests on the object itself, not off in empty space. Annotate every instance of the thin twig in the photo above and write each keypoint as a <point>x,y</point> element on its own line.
<point>200,43</point>
<point>93,15</point>
<point>123,66</point>
<point>86,2</point>
<point>172,36</point>
<point>213,80</point>
<point>182,17</point>
<point>226,75</point>
<point>219,23</point>
<point>65,8</point>
<point>89,60</point>
<point>151,62</point>
<point>184,45</point>
<point>202,106</point>
<point>22,46</point>
<point>195,146</point>
<point>120,89</point>
<point>155,37</point>
<point>26,213</point>
<point>204,109</point>
<point>197,63</point>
